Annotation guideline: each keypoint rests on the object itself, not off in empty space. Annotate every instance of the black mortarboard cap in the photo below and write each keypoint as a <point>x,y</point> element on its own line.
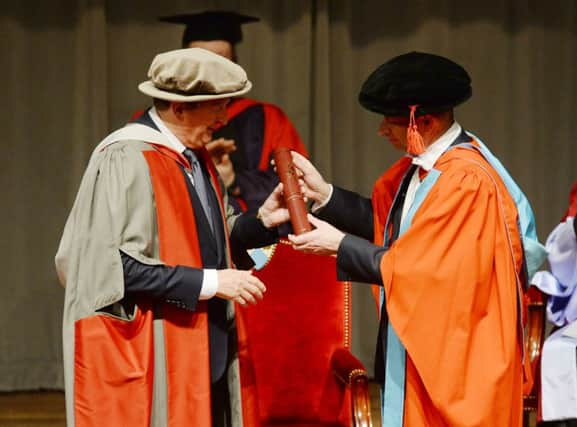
<point>211,25</point>
<point>432,82</point>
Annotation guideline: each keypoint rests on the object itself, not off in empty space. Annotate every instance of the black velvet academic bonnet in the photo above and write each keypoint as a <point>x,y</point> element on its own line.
<point>431,82</point>
<point>211,25</point>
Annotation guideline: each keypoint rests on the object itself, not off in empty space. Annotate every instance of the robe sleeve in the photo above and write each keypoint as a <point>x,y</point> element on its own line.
<point>113,212</point>
<point>345,205</point>
<point>451,295</point>
<point>279,132</point>
<point>256,184</point>
<point>179,285</point>
<point>359,260</point>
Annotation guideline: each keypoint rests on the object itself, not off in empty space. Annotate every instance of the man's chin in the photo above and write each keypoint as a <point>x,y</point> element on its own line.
<point>397,145</point>
<point>206,137</point>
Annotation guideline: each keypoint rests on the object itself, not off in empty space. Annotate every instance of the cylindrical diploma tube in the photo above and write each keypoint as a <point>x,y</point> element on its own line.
<point>293,197</point>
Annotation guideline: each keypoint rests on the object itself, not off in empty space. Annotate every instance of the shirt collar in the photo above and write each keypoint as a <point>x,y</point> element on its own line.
<point>428,159</point>
<point>175,143</point>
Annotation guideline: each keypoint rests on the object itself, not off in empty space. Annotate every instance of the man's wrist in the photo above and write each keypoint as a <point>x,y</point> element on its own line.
<point>260,217</point>
<point>327,194</point>
<point>327,197</point>
<point>230,180</point>
<point>209,284</point>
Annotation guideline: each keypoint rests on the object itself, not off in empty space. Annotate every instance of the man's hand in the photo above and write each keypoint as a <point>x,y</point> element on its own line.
<point>220,147</point>
<point>273,211</point>
<point>219,150</point>
<point>323,240</point>
<point>240,286</point>
<point>226,170</point>
<point>313,185</point>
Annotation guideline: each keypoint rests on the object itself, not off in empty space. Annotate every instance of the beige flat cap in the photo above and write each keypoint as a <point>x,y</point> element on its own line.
<point>194,74</point>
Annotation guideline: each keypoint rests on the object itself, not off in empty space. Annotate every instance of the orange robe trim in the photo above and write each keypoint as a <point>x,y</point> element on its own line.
<point>113,364</point>
<point>451,295</point>
<point>186,333</point>
<point>114,359</point>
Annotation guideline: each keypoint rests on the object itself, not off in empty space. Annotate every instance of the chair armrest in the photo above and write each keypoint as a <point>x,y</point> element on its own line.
<point>534,336</point>
<point>535,325</point>
<point>351,372</point>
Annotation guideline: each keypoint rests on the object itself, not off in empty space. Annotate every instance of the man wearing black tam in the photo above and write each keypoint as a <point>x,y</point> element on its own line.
<point>454,243</point>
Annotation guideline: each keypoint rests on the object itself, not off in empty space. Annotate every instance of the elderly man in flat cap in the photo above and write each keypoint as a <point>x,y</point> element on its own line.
<point>145,258</point>
<point>242,149</point>
<point>449,238</point>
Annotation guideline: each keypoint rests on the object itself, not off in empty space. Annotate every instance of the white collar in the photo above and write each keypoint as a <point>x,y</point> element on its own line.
<point>428,159</point>
<point>175,143</point>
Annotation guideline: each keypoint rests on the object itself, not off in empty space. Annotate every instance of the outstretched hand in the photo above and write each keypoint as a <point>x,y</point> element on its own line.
<point>240,286</point>
<point>313,186</point>
<point>323,240</point>
<point>273,211</point>
<point>219,147</point>
<point>219,150</point>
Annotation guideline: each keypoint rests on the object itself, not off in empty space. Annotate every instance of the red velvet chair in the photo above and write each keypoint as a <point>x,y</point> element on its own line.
<point>296,369</point>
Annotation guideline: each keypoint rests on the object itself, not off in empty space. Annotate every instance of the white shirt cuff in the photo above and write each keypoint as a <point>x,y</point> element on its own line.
<point>209,284</point>
<point>317,206</point>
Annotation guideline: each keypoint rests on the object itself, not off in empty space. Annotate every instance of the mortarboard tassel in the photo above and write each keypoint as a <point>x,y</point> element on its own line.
<point>415,143</point>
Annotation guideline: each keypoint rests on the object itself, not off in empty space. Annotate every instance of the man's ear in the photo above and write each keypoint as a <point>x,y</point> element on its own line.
<point>425,121</point>
<point>177,109</point>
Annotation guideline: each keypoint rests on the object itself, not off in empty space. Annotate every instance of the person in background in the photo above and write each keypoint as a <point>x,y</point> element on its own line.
<point>241,149</point>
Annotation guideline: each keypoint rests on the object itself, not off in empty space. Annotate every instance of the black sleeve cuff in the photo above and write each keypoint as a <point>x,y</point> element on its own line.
<point>575,226</point>
<point>179,285</point>
<point>249,232</point>
<point>350,212</point>
<point>359,260</point>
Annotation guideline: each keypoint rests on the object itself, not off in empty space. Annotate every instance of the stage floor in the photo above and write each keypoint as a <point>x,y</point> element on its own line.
<point>46,409</point>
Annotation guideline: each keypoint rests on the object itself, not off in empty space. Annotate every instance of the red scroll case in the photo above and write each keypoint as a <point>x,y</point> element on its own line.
<point>293,197</point>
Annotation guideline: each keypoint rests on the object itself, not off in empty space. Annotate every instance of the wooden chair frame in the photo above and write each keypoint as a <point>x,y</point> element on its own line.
<point>534,337</point>
<point>351,373</point>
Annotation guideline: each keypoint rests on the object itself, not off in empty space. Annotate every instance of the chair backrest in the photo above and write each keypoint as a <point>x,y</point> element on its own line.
<point>288,341</point>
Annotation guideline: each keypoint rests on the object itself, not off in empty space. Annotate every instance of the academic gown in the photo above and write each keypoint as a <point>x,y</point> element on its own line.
<point>257,128</point>
<point>451,283</point>
<point>146,361</point>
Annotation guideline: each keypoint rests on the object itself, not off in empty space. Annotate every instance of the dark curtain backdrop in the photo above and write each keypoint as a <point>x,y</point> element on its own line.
<point>70,70</point>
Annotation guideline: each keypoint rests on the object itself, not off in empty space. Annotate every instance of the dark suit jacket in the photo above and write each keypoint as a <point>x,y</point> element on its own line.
<point>358,259</point>
<point>181,285</point>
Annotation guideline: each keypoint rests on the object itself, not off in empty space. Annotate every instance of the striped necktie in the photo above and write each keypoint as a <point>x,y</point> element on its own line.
<point>199,183</point>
